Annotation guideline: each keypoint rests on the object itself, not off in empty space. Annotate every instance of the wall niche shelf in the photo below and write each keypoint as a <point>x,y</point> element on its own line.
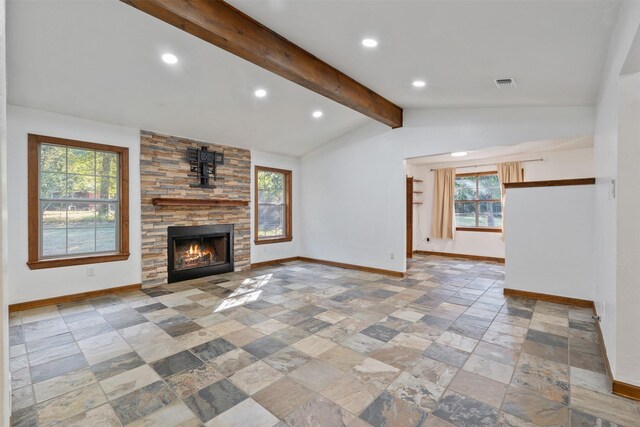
<point>417,192</point>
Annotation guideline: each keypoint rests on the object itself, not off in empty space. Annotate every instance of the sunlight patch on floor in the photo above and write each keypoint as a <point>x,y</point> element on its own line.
<point>248,292</point>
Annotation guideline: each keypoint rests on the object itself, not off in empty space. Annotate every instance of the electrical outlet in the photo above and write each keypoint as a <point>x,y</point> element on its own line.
<point>91,271</point>
<point>392,256</point>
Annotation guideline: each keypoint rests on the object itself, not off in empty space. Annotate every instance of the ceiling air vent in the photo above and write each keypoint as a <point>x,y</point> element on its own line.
<point>504,83</point>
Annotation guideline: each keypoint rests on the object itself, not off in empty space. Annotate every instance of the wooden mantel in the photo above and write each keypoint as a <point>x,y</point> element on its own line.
<point>165,201</point>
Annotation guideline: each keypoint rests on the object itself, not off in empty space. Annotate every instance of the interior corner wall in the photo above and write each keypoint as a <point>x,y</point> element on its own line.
<point>565,164</point>
<point>628,232</point>
<point>274,251</point>
<point>29,285</point>
<point>5,392</point>
<point>353,191</point>
<point>606,205</point>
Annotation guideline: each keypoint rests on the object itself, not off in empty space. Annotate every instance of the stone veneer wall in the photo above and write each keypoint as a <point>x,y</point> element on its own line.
<point>164,172</point>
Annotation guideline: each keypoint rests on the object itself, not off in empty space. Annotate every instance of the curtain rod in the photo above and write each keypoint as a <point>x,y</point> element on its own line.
<point>492,164</point>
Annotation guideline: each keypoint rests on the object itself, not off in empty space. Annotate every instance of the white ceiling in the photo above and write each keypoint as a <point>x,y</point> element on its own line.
<point>101,60</point>
<point>555,50</point>
<point>500,152</point>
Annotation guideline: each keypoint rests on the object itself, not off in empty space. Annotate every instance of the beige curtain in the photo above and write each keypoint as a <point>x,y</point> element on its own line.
<point>442,216</point>
<point>508,172</point>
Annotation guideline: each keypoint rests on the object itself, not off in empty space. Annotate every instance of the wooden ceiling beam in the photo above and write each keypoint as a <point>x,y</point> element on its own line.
<point>222,25</point>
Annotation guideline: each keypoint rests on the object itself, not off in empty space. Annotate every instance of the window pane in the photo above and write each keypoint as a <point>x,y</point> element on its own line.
<point>106,164</point>
<point>271,220</point>
<point>106,239</point>
<point>81,187</point>
<point>53,158</point>
<point>106,214</point>
<point>81,215</point>
<point>54,215</point>
<point>270,187</point>
<point>107,188</point>
<point>488,187</point>
<point>490,214</point>
<point>53,185</point>
<point>465,188</point>
<point>81,240</point>
<point>54,242</point>
<point>465,214</point>
<point>81,161</point>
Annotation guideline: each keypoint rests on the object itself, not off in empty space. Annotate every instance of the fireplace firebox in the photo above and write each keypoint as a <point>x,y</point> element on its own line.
<point>199,251</point>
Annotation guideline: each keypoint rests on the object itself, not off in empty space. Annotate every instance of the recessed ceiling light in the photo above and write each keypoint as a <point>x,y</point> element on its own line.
<point>369,43</point>
<point>260,93</point>
<point>169,58</point>
<point>459,154</point>
<point>419,83</point>
<point>317,114</point>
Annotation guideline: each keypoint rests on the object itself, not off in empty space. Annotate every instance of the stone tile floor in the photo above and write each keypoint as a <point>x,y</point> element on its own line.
<point>309,345</point>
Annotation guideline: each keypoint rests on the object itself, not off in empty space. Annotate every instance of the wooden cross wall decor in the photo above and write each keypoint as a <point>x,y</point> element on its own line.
<point>204,164</point>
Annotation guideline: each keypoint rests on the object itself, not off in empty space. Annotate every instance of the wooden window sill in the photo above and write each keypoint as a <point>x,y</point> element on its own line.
<point>480,229</point>
<point>65,262</point>
<point>265,241</point>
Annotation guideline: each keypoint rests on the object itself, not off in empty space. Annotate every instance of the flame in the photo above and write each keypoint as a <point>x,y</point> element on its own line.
<point>195,252</point>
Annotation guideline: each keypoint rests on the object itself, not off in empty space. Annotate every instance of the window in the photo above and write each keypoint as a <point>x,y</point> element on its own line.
<point>273,205</point>
<point>477,202</point>
<point>78,202</point>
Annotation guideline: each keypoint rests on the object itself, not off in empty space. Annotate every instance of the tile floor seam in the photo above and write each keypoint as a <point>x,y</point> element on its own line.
<point>512,376</point>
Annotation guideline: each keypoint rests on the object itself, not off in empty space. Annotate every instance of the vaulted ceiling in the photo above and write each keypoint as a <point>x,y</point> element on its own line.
<point>101,60</point>
<point>555,50</point>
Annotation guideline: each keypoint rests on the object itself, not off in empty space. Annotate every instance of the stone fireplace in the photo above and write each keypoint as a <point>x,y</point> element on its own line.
<point>165,173</point>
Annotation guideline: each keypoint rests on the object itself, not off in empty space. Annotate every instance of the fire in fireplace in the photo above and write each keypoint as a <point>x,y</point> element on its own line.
<point>199,251</point>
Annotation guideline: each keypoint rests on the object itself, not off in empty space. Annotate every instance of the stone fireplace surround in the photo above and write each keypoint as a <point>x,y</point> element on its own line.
<point>164,172</point>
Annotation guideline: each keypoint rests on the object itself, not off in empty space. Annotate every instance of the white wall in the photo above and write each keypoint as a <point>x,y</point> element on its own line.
<point>628,233</point>
<point>273,251</point>
<point>4,279</point>
<point>549,246</point>
<point>353,198</point>
<point>565,164</point>
<point>29,285</point>
<point>605,205</point>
